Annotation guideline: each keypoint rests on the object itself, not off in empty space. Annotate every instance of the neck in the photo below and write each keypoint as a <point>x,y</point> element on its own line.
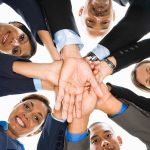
<point>11,133</point>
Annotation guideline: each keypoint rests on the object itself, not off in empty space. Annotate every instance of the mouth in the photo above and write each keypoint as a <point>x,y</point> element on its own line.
<point>5,37</point>
<point>20,122</point>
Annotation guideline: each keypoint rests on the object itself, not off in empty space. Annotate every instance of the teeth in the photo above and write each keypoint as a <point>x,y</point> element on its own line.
<point>21,123</point>
<point>5,37</point>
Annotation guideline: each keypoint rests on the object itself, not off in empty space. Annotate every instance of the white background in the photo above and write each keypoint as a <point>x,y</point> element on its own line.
<point>122,78</point>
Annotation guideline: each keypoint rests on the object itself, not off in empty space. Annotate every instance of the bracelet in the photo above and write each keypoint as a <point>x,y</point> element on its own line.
<point>110,64</point>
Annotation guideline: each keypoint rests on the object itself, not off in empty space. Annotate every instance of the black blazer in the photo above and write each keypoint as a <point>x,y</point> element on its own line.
<point>124,93</point>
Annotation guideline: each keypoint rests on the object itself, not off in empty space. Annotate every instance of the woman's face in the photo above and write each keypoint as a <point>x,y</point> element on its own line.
<point>27,117</point>
<point>143,74</point>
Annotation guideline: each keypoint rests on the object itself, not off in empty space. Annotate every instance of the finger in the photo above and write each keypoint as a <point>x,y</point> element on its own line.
<point>59,97</point>
<point>65,106</point>
<point>95,86</point>
<point>70,110</point>
<point>78,105</point>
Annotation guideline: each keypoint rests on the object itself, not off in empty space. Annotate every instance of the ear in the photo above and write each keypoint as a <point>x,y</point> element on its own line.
<point>119,140</point>
<point>114,16</point>
<point>81,10</point>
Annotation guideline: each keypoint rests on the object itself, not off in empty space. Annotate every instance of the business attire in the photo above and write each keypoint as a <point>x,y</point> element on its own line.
<point>10,82</point>
<point>132,27</point>
<point>30,11</point>
<point>52,137</point>
<point>134,120</point>
<point>6,142</point>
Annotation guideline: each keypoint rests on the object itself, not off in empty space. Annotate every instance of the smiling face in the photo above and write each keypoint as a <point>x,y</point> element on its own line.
<point>97,16</point>
<point>27,117</point>
<point>13,40</point>
<point>102,137</point>
<point>143,74</point>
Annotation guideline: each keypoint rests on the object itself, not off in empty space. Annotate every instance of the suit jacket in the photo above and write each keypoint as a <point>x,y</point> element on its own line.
<point>132,27</point>
<point>52,137</point>
<point>128,95</point>
<point>10,82</point>
<point>59,15</point>
<point>134,120</point>
<point>30,11</point>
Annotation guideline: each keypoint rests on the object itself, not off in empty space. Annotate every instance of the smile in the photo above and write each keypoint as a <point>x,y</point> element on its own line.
<point>5,37</point>
<point>20,122</point>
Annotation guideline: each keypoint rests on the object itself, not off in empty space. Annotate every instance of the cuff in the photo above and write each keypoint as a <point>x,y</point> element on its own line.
<point>37,84</point>
<point>101,52</point>
<point>71,137</point>
<point>59,120</point>
<point>66,37</point>
<point>121,111</point>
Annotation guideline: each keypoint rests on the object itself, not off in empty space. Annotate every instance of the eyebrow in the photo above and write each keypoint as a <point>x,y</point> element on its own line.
<point>94,136</point>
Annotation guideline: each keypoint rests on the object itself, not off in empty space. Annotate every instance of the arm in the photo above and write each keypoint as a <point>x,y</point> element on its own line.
<point>140,101</point>
<point>141,124</point>
<point>121,59</point>
<point>53,134</point>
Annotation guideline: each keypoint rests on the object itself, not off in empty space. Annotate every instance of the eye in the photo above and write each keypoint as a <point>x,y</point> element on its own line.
<point>95,140</point>
<point>27,107</point>
<point>90,23</point>
<point>107,136</point>
<point>37,118</point>
<point>21,37</point>
<point>16,51</point>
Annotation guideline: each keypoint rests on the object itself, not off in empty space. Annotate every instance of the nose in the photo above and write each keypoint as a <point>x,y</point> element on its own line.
<point>105,144</point>
<point>14,42</point>
<point>25,115</point>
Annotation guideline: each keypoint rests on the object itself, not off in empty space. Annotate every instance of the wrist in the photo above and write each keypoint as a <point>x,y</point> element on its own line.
<point>70,51</point>
<point>79,125</point>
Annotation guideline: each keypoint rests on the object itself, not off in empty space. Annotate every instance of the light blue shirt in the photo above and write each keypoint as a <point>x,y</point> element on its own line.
<point>37,84</point>
<point>66,37</point>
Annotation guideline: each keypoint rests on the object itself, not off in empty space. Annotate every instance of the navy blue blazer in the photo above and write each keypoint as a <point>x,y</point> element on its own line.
<point>52,137</point>
<point>30,11</point>
<point>10,82</point>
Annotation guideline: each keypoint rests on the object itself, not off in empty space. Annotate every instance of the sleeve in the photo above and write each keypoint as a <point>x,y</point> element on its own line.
<point>30,11</point>
<point>81,145</point>
<point>59,15</point>
<point>139,127</point>
<point>121,2</point>
<point>132,54</point>
<point>53,134</point>
<point>10,82</point>
<point>124,93</point>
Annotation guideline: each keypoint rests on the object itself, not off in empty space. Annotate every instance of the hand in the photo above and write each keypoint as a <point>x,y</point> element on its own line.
<point>74,75</point>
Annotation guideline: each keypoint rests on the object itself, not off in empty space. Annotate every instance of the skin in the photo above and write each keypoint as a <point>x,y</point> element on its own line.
<point>26,118</point>
<point>94,23</point>
<point>102,137</point>
<point>143,74</point>
<point>13,40</point>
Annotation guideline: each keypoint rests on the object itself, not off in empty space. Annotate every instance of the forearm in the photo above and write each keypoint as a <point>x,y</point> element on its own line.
<point>47,41</point>
<point>110,106</point>
<point>49,71</point>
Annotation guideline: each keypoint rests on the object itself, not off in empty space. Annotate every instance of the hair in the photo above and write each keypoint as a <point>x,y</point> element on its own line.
<point>134,77</point>
<point>41,98</point>
<point>105,6</point>
<point>31,38</point>
<point>96,123</point>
